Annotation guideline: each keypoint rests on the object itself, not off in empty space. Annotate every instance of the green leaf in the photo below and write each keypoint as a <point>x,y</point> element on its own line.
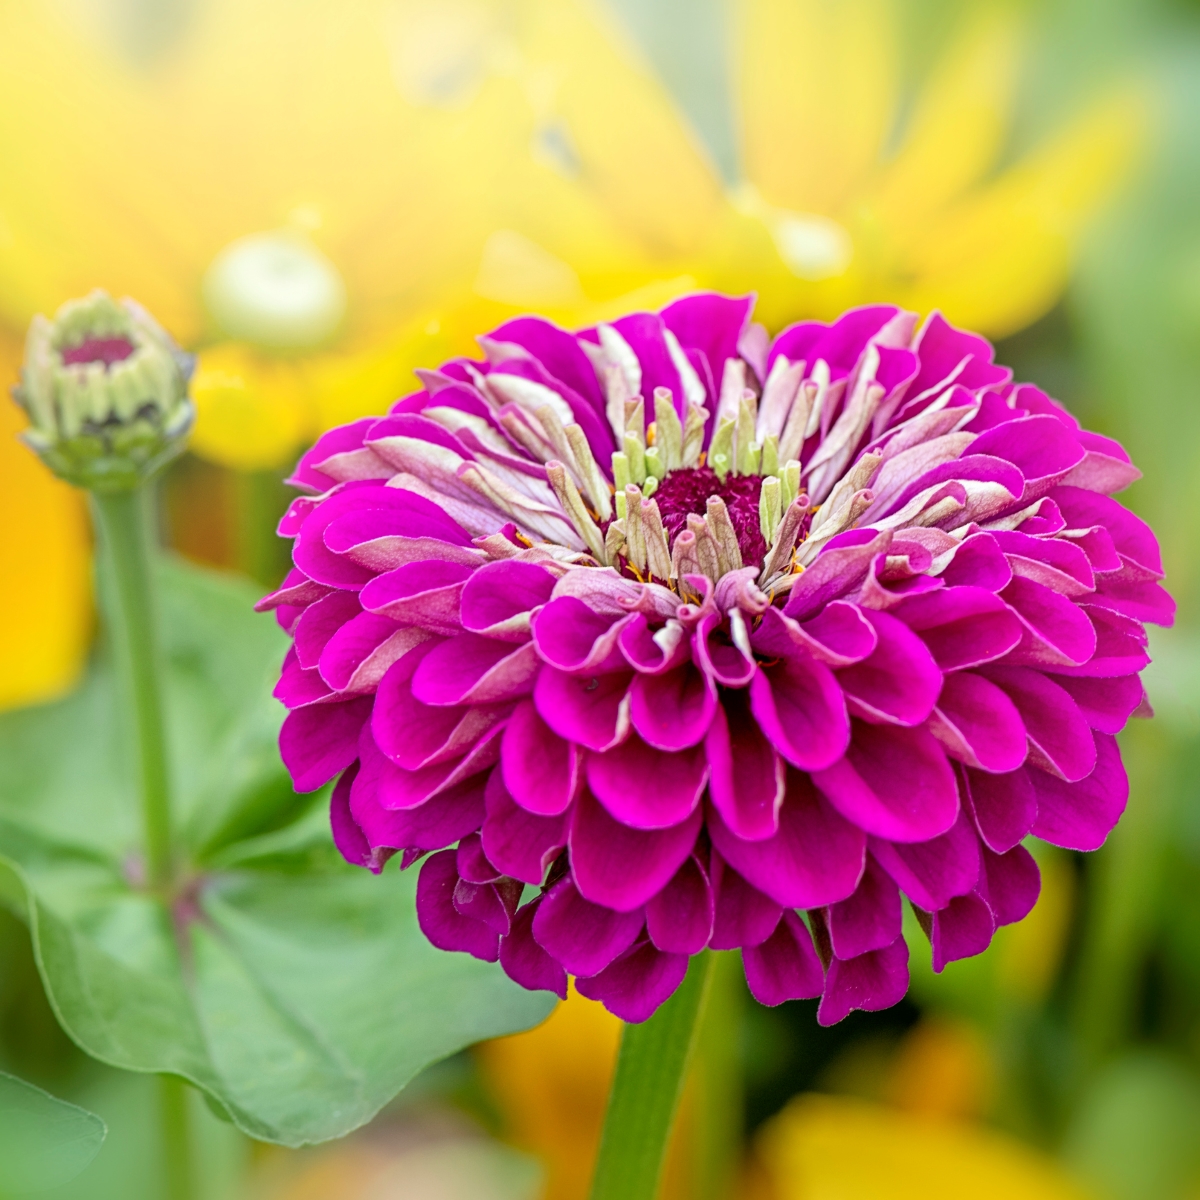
<point>296,991</point>
<point>44,1142</point>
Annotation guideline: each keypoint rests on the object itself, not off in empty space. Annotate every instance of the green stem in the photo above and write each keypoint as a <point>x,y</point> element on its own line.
<point>721,1100</point>
<point>651,1067</point>
<point>178,1168</point>
<point>126,528</point>
<point>124,519</point>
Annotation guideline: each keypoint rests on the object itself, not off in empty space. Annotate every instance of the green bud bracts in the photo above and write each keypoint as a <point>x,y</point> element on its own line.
<point>105,389</point>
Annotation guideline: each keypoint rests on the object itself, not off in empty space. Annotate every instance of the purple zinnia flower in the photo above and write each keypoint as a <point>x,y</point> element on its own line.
<point>713,640</point>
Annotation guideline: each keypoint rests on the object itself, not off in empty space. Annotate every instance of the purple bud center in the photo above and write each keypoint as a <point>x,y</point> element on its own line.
<point>106,350</point>
<point>687,491</point>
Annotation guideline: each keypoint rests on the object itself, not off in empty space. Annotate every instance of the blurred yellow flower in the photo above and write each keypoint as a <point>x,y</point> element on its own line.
<point>320,197</point>
<point>552,1088</point>
<point>45,609</point>
<point>551,1085</point>
<point>839,1148</point>
<point>838,203</point>
<point>943,1066</point>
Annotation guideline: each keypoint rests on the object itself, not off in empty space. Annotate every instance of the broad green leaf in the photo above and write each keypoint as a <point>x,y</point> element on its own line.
<point>296,991</point>
<point>44,1142</point>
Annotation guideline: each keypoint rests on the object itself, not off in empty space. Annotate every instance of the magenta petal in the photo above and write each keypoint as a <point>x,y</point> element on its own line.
<point>298,687</point>
<point>653,651</point>
<point>440,921</point>
<point>872,981</point>
<point>743,916</point>
<point>961,929</point>
<point>1004,806</point>
<point>978,562</point>
<point>895,783</point>
<point>679,919</point>
<point>932,873</point>
<point>573,637</point>
<point>454,813</point>
<point>1059,737</point>
<point>591,711</point>
<point>348,837</point>
<point>785,966</point>
<point>317,743</point>
<point>582,936</point>
<point>899,682</point>
<point>1106,704</point>
<point>360,653</point>
<point>672,710</point>
<point>541,770</point>
<point>472,863</point>
<point>634,986</point>
<point>420,593</point>
<point>1057,631</point>
<point>843,632</point>
<point>319,622</point>
<point>1079,816</point>
<point>647,788</point>
<point>962,626</point>
<point>491,903</point>
<point>520,844</point>
<point>870,919</point>
<point>415,735</point>
<point>1041,447</point>
<point>800,707</point>
<point>525,962</point>
<point>746,776</point>
<point>978,724</point>
<point>622,867</point>
<point>470,669</point>
<point>1013,882</point>
<point>499,592</point>
<point>815,859</point>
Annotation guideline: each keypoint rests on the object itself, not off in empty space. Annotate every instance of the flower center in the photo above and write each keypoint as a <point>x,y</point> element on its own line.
<point>686,490</point>
<point>106,350</point>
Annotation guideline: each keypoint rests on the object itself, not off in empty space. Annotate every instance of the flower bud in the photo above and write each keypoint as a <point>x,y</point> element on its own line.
<point>105,389</point>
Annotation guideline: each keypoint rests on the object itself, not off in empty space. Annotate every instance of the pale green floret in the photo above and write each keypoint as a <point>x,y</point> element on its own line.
<point>668,432</point>
<point>650,486</point>
<point>573,505</point>
<point>106,427</point>
<point>769,510</point>
<point>720,449</point>
<point>655,467</point>
<point>770,455</point>
<point>746,455</point>
<point>635,451</point>
<point>620,471</point>
<point>790,477</point>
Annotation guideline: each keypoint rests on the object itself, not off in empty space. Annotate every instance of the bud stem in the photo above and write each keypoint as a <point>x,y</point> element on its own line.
<point>124,523</point>
<point>651,1068</point>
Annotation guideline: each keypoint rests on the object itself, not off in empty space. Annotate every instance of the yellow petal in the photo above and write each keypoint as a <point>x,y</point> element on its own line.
<point>838,1148</point>
<point>252,411</point>
<point>45,605</point>
<point>816,89</point>
<point>635,153</point>
<point>959,123</point>
<point>1000,258</point>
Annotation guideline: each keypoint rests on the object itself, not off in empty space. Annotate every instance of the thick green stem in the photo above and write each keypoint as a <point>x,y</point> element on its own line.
<point>651,1067</point>
<point>127,536</point>
<point>125,527</point>
<point>178,1167</point>
<point>721,1100</point>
